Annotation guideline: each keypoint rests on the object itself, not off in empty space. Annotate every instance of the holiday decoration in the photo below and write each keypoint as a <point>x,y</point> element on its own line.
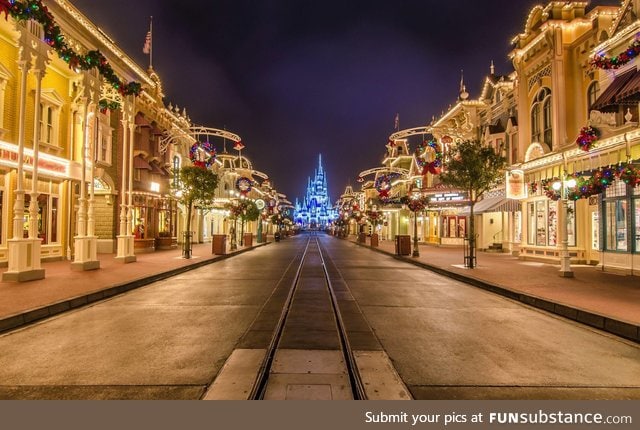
<point>243,184</point>
<point>604,62</point>
<point>202,154</point>
<point>383,185</point>
<point>105,105</point>
<point>238,146</point>
<point>360,179</point>
<point>587,137</point>
<point>417,204</point>
<point>629,174</point>
<point>533,188</point>
<point>435,165</point>
<point>35,10</point>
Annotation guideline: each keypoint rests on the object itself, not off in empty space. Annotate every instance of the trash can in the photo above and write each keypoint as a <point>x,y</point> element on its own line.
<point>219,244</point>
<point>403,244</point>
<point>276,236</point>
<point>248,239</point>
<point>374,239</point>
<point>362,238</point>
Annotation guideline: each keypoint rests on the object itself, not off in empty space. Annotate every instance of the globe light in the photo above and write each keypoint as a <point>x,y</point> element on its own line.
<point>571,183</point>
<point>556,185</point>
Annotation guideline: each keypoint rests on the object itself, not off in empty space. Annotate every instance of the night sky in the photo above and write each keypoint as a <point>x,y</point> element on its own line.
<point>298,78</point>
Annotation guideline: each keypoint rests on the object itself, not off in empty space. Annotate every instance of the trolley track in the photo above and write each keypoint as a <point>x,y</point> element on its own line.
<point>306,283</point>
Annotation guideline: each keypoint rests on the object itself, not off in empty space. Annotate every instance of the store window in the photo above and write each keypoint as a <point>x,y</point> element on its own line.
<point>543,228</point>
<point>617,217</point>
<point>48,221</point>
<point>143,217</point>
<point>454,226</point>
<point>167,218</point>
<point>636,218</point>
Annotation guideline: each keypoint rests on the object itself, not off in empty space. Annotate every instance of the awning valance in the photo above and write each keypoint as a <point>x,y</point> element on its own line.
<point>630,92</point>
<point>607,100</point>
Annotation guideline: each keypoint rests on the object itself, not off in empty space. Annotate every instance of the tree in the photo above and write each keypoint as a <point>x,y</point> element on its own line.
<point>476,169</point>
<point>195,186</point>
<point>249,212</point>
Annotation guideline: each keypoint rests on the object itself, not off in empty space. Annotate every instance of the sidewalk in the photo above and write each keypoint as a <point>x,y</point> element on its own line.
<point>63,289</point>
<point>599,299</point>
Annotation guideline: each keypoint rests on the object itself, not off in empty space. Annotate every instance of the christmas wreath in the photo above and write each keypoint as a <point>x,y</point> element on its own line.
<point>383,185</point>
<point>587,137</point>
<point>435,165</point>
<point>243,184</point>
<point>202,154</point>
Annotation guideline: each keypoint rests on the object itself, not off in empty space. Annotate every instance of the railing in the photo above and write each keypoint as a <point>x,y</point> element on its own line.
<point>497,238</point>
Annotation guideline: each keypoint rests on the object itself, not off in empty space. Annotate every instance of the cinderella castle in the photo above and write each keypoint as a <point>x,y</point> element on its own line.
<point>315,211</point>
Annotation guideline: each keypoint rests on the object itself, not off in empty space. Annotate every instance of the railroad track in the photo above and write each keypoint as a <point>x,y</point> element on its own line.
<point>307,283</point>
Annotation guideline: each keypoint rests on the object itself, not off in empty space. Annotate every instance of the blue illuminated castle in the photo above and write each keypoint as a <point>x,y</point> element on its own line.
<point>315,211</point>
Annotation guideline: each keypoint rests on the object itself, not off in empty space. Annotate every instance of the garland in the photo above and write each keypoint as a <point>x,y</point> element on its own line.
<point>606,63</point>
<point>35,10</point>
<point>435,166</point>
<point>243,184</point>
<point>202,154</point>
<point>587,137</point>
<point>598,181</point>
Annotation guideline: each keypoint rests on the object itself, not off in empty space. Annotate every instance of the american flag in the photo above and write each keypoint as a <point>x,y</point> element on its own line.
<point>147,43</point>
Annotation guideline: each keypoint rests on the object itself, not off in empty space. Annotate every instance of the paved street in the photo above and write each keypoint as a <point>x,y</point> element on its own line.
<point>446,339</point>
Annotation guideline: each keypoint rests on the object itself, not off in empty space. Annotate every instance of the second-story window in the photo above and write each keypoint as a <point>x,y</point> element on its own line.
<point>541,118</point>
<point>592,94</point>
<point>50,106</point>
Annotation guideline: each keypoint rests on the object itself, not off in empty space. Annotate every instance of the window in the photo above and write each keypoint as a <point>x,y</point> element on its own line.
<point>541,118</point>
<point>592,94</point>
<point>176,168</point>
<point>543,228</point>
<point>50,105</point>
<point>47,217</point>
<point>616,217</point>
<point>103,144</point>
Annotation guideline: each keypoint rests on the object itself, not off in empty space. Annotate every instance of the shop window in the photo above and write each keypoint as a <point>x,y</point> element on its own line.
<point>48,221</point>
<point>143,217</point>
<point>167,218</point>
<point>454,226</point>
<point>636,218</point>
<point>1,216</point>
<point>543,228</point>
<point>617,218</point>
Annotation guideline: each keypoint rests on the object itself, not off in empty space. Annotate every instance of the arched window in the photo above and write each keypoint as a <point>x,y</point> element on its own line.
<point>592,94</point>
<point>541,118</point>
<point>176,169</point>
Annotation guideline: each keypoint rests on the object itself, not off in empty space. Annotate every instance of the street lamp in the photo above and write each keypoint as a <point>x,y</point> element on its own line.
<point>415,206</point>
<point>565,258</point>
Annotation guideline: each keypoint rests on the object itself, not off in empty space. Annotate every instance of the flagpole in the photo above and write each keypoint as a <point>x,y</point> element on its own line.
<point>151,46</point>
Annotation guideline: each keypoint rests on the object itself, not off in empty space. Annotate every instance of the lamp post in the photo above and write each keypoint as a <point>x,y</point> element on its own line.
<point>414,206</point>
<point>565,258</point>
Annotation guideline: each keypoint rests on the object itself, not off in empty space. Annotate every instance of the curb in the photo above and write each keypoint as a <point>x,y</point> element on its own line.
<point>610,325</point>
<point>25,318</point>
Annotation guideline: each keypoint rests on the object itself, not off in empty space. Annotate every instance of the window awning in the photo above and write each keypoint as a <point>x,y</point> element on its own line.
<point>607,100</point>
<point>156,169</point>
<point>140,163</point>
<point>494,204</point>
<point>629,94</point>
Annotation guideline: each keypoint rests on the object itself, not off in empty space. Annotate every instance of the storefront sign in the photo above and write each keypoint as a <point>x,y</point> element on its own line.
<point>47,164</point>
<point>515,185</point>
<point>447,197</point>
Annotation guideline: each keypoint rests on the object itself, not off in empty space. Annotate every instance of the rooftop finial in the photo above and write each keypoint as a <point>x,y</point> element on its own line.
<point>492,68</point>
<point>463,89</point>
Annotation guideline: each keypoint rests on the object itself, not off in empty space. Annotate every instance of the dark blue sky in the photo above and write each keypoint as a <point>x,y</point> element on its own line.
<point>299,78</point>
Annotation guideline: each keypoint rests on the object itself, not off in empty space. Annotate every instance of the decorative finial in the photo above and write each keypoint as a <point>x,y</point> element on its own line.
<point>492,68</point>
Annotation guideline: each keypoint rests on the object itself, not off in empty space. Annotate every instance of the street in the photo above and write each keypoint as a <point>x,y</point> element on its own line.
<point>446,340</point>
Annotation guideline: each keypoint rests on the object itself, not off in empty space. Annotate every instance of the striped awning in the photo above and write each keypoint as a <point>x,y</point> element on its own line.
<point>607,100</point>
<point>140,163</point>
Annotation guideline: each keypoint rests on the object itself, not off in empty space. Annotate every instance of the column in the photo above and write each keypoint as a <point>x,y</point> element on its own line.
<point>125,240</point>
<point>86,244</point>
<point>24,253</point>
